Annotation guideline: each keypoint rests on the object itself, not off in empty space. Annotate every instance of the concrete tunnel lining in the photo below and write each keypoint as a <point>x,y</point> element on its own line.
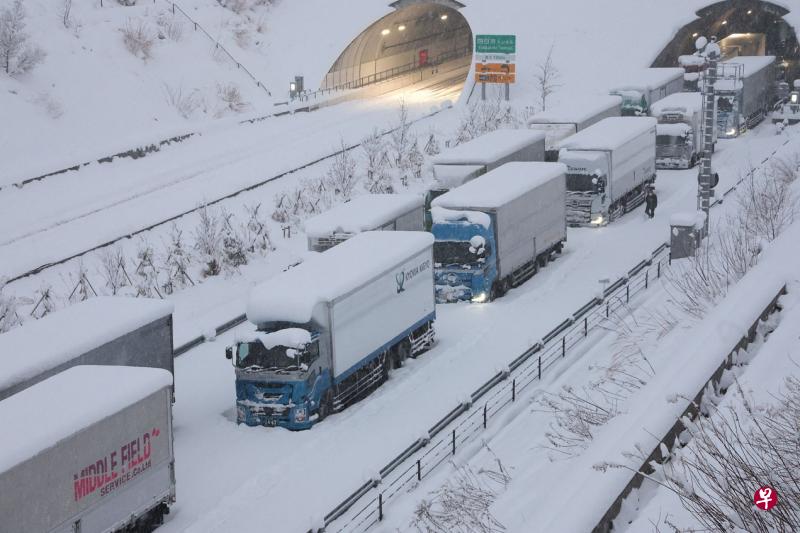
<point>408,38</point>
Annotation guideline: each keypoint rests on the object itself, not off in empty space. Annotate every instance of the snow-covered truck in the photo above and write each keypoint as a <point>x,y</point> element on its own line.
<point>745,93</point>
<point>88,450</point>
<point>643,88</point>
<point>370,212</point>
<point>679,137</point>
<point>494,232</point>
<point>460,164</point>
<point>560,122</point>
<point>329,330</point>
<point>609,166</point>
<point>789,110</point>
<point>99,331</point>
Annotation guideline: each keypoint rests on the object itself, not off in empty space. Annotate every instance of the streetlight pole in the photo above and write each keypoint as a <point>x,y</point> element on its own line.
<point>709,49</point>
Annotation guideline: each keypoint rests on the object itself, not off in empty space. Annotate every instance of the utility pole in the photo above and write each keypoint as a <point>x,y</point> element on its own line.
<point>711,51</point>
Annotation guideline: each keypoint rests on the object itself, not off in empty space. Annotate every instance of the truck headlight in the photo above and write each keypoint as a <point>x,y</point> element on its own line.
<point>731,131</point>
<point>479,299</point>
<point>598,220</point>
<point>300,414</point>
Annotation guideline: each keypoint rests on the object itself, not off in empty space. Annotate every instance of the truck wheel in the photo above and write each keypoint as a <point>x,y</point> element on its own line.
<point>402,352</point>
<point>325,405</point>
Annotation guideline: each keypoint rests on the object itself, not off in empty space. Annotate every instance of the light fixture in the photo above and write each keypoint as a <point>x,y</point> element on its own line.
<point>386,31</point>
<point>695,34</point>
<point>749,11</point>
<point>401,27</point>
<point>724,22</point>
<point>444,17</point>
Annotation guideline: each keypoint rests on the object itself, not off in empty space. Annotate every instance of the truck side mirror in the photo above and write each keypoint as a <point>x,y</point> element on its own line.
<point>229,352</point>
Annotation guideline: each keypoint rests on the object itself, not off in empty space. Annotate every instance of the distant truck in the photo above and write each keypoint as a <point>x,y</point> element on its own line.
<point>789,110</point>
<point>88,450</point>
<point>395,212</point>
<point>679,136</point>
<point>561,122</point>
<point>458,165</point>
<point>745,93</point>
<point>99,331</point>
<point>495,232</point>
<point>609,166</point>
<point>329,329</point>
<point>646,87</point>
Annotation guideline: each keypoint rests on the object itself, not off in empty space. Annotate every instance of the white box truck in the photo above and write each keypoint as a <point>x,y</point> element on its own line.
<point>370,212</point>
<point>745,93</point>
<point>88,450</point>
<point>644,87</point>
<point>328,330</point>
<point>679,135</point>
<point>494,233</point>
<point>609,166</point>
<point>460,164</point>
<point>99,331</point>
<point>560,122</point>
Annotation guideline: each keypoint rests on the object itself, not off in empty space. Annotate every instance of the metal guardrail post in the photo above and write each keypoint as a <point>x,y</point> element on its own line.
<point>658,271</point>
<point>514,382</point>
<point>419,469</point>
<point>627,294</point>
<point>564,346</point>
<point>454,442</point>
<point>586,326</point>
<point>646,278</point>
<point>380,507</point>
<point>607,309</point>
<point>484,416</point>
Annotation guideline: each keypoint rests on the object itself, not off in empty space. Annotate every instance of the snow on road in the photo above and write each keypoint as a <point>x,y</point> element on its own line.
<point>239,478</point>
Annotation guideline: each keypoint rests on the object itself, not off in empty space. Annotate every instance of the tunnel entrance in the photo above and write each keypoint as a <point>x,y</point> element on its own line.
<point>743,28</point>
<point>419,41</point>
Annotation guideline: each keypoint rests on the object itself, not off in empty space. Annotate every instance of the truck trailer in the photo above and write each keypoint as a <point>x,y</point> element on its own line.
<point>328,330</point>
<point>559,123</point>
<point>495,232</point>
<point>88,450</point>
<point>679,136</point>
<point>609,166</point>
<point>370,212</point>
<point>99,331</point>
<point>744,93</point>
<point>643,88</point>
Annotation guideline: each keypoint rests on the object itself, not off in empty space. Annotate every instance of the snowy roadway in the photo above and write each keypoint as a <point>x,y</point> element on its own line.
<point>49,220</point>
<point>238,478</point>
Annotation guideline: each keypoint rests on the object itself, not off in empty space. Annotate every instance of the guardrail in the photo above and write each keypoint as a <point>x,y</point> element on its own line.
<point>388,74</point>
<point>469,419</point>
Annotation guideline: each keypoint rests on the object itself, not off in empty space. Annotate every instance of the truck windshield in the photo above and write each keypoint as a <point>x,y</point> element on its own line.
<point>580,182</point>
<point>671,140</point>
<point>255,356</point>
<point>458,253</point>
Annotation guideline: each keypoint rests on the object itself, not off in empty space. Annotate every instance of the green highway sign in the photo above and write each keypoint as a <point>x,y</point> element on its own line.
<point>496,44</point>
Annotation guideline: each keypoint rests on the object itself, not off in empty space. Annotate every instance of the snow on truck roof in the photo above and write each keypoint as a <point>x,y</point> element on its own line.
<point>500,186</point>
<point>649,78</point>
<point>609,133</point>
<point>488,148</point>
<point>39,345</point>
<point>362,213</point>
<point>752,64</point>
<point>292,295</point>
<point>576,111</point>
<point>41,415</point>
<point>690,102</point>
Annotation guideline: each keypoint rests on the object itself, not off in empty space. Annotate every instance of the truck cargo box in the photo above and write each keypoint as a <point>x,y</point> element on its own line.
<point>560,122</point>
<point>395,212</point>
<point>89,450</point>
<point>362,294</point>
<point>104,330</point>
<point>642,88</point>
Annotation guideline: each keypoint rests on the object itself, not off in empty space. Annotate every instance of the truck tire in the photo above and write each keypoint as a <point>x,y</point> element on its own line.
<point>402,351</point>
<point>325,405</point>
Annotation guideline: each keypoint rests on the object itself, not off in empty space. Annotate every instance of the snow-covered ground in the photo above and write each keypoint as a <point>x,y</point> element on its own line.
<point>275,475</point>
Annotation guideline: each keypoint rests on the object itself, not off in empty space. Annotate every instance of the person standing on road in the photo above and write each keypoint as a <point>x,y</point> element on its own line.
<point>651,201</point>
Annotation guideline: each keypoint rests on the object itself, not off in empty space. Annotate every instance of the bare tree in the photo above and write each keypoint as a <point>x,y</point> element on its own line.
<point>257,236</point>
<point>66,8</point>
<point>208,240</point>
<point>341,175</point>
<point>401,137</point>
<point>138,38</point>
<point>112,268</point>
<point>547,78</point>
<point>377,179</point>
<point>9,317</point>
<point>17,56</point>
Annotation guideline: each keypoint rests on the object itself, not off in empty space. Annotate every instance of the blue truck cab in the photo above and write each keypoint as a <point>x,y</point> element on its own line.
<point>464,256</point>
<point>280,379</point>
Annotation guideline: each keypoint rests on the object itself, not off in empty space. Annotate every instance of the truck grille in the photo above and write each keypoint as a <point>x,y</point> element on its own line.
<point>579,209</point>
